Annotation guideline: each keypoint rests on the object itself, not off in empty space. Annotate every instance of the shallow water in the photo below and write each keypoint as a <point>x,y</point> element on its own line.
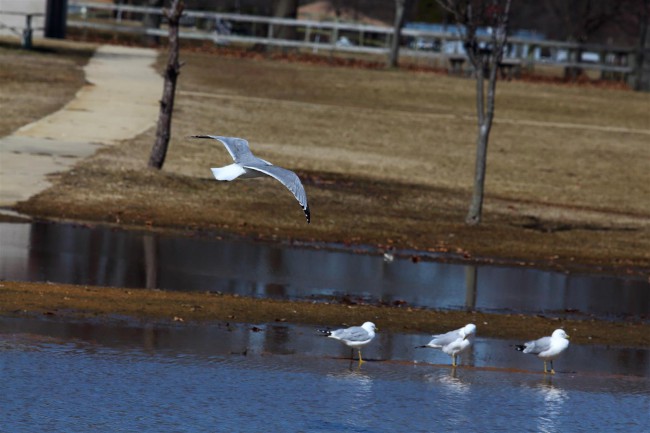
<point>80,377</point>
<point>103,256</point>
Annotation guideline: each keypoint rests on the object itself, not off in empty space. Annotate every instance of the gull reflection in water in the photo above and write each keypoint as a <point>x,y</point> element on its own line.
<point>354,391</point>
<point>551,410</point>
<point>451,381</point>
<point>454,394</point>
<point>454,383</point>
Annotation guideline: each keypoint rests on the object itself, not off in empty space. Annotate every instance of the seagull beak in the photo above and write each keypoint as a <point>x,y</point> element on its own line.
<point>567,336</point>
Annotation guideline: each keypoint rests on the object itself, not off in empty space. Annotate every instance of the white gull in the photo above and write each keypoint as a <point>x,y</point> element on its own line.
<point>248,166</point>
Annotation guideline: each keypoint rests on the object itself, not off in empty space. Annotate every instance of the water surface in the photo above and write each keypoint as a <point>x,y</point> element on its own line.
<point>80,377</point>
<point>104,256</point>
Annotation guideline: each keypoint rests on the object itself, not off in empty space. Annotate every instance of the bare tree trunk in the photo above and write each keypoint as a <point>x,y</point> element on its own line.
<point>393,56</point>
<point>285,9</point>
<point>495,16</point>
<point>485,111</point>
<point>642,60</point>
<point>485,118</point>
<point>163,131</point>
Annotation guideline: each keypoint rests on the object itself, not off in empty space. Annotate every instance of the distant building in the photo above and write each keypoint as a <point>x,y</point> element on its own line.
<point>524,50</point>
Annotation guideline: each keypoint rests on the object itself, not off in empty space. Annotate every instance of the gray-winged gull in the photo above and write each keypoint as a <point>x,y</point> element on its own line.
<point>454,342</point>
<point>353,337</point>
<point>547,348</point>
<point>248,166</point>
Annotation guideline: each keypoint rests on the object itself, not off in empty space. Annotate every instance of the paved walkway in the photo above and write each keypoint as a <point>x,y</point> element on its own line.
<point>119,102</point>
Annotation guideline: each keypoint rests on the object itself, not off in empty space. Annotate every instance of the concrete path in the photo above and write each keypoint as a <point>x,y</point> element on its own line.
<point>119,102</point>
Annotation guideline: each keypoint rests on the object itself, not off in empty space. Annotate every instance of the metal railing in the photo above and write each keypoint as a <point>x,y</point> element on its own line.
<point>446,47</point>
<point>25,32</point>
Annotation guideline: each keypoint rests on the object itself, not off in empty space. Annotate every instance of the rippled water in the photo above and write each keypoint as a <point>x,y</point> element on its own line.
<point>80,377</point>
<point>125,376</point>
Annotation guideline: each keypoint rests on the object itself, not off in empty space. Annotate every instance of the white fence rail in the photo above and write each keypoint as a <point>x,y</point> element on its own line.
<point>444,47</point>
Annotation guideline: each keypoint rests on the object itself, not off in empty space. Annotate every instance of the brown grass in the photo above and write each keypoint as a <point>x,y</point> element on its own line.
<point>36,83</point>
<point>387,159</point>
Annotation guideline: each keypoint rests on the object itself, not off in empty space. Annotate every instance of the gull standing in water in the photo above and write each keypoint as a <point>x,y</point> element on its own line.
<point>247,166</point>
<point>355,336</point>
<point>454,342</point>
<point>547,348</point>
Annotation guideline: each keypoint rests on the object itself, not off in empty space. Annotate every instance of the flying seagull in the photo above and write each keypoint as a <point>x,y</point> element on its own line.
<point>247,166</point>
<point>547,348</point>
<point>355,336</point>
<point>454,342</point>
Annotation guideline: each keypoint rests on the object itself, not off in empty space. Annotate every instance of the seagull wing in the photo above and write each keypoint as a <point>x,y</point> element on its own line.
<point>445,339</point>
<point>236,147</point>
<point>354,334</point>
<point>287,178</point>
<point>538,346</point>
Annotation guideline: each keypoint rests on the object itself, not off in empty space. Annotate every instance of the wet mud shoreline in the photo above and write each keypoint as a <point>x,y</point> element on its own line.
<point>75,302</point>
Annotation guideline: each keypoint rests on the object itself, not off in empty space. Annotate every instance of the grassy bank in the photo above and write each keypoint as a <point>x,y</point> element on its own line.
<point>36,83</point>
<point>387,159</point>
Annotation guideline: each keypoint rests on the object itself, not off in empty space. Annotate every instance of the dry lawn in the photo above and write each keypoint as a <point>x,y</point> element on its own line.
<point>386,158</point>
<point>36,83</point>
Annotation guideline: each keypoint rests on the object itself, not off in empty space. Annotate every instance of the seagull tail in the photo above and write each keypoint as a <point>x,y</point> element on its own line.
<point>520,347</point>
<point>228,173</point>
<point>324,332</point>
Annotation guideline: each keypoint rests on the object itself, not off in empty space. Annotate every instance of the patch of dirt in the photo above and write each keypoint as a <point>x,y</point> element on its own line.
<point>535,223</point>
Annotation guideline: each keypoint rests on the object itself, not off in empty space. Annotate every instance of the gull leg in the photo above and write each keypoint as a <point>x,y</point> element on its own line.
<point>360,360</point>
<point>352,354</point>
<point>545,371</point>
<point>552,370</point>
<point>453,360</point>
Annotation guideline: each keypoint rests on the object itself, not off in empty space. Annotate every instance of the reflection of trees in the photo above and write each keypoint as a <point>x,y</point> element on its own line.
<point>108,257</point>
<point>16,259</point>
<point>150,243</point>
<point>470,287</point>
<point>78,255</point>
<point>632,360</point>
<point>275,263</point>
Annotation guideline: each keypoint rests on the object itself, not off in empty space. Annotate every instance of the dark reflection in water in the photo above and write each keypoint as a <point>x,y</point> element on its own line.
<point>226,339</point>
<point>102,377</point>
<point>103,256</point>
